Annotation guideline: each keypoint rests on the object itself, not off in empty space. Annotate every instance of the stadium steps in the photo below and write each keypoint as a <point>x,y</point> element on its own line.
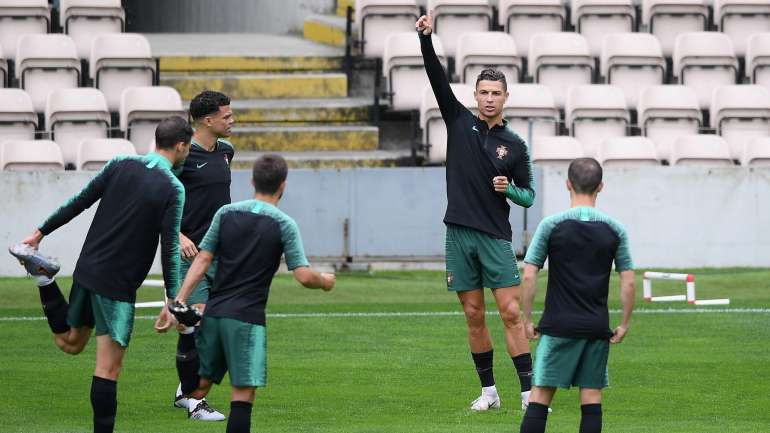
<point>329,110</point>
<point>260,85</point>
<point>306,138</point>
<point>325,29</point>
<point>372,158</point>
<point>236,63</point>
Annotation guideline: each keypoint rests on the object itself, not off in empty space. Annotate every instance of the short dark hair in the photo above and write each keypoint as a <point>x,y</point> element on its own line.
<point>491,74</point>
<point>585,175</point>
<point>172,130</point>
<point>268,173</point>
<point>207,102</point>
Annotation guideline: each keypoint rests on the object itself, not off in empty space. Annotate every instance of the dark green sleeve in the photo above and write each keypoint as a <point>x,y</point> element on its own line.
<point>521,190</point>
<point>293,250</point>
<point>169,238</point>
<point>623,260</point>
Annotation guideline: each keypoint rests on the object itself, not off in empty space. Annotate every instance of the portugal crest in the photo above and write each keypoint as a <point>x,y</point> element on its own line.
<point>501,151</point>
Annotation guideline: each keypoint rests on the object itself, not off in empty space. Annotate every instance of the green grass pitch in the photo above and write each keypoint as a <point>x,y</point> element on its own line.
<point>412,373</point>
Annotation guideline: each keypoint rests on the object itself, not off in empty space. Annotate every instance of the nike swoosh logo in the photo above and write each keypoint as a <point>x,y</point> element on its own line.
<point>201,165</point>
<point>474,128</point>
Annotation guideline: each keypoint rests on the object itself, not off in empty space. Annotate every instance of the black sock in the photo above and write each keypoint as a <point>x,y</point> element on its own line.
<point>483,363</point>
<point>187,363</point>
<point>523,364</point>
<point>239,420</point>
<point>591,421</point>
<point>104,401</point>
<point>54,307</point>
<point>534,419</point>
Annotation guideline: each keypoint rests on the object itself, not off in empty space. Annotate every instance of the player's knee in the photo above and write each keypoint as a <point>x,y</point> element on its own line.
<point>474,315</point>
<point>511,315</point>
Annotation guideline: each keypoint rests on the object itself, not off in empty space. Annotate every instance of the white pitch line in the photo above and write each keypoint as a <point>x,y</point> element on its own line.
<point>456,313</point>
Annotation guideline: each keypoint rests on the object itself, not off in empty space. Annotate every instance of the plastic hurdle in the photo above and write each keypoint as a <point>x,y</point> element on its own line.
<point>158,304</point>
<point>689,280</point>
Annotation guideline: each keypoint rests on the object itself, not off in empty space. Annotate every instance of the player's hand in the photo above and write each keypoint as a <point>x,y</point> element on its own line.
<point>425,24</point>
<point>188,248</point>
<point>500,183</point>
<point>165,320</point>
<point>34,239</point>
<point>618,335</point>
<point>328,281</point>
<point>530,331</point>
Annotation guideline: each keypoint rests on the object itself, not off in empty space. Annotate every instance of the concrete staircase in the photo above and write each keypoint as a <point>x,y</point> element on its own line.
<point>329,29</point>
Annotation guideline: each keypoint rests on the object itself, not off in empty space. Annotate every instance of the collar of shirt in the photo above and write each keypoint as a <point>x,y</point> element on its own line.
<point>154,159</point>
<point>195,143</point>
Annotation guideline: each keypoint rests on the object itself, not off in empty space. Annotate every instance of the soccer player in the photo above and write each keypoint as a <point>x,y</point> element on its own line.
<point>581,245</point>
<point>248,239</point>
<point>206,180</point>
<point>486,163</point>
<point>141,199</point>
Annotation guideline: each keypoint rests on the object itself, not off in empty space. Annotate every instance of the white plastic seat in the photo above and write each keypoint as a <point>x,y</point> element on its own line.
<point>555,151</point>
<point>376,19</point>
<point>531,103</point>
<point>632,61</point>
<point>628,152</point>
<point>17,115</point>
<point>559,61</point>
<point>707,150</point>
<point>479,50</point>
<point>45,63</point>
<point>73,115</point>
<point>19,18</point>
<point>142,108</point>
<point>595,113</point>
<point>758,59</point>
<point>704,61</point>
<point>404,69</point>
<point>757,152</point>
<point>434,131</point>
<point>666,113</point>
<point>31,155</point>
<point>739,19</point>
<point>739,114</point>
<point>666,19</point>
<point>523,18</point>
<point>93,154</point>
<point>83,20</point>
<point>451,18</point>
<point>119,61</point>
<point>596,18</point>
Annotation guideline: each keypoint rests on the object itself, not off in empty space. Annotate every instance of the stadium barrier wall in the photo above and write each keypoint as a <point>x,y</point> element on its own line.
<point>676,217</point>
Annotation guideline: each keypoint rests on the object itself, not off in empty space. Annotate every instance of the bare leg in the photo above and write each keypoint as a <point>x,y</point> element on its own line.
<point>204,386</point>
<point>474,309</point>
<point>507,299</point>
<point>74,340</point>
<point>109,362</point>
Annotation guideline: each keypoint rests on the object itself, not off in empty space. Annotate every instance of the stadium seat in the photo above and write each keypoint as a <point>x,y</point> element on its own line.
<point>555,151</point>
<point>666,113</point>
<point>480,50</point>
<point>740,114</point>
<point>3,69</point>
<point>756,152</point>
<point>451,18</point>
<point>595,113</point>
<point>758,59</point>
<point>628,152</point>
<point>523,18</point>
<point>404,70</point>
<point>93,154</point>
<point>31,155</point>
<point>739,19</point>
<point>666,19</point>
<point>434,132</point>
<point>119,61</point>
<point>17,115</point>
<point>704,61</point>
<point>73,115</point>
<point>376,19</point>
<point>19,18</point>
<point>632,61</point>
<point>83,20</point>
<point>45,63</point>
<point>531,102</point>
<point>142,108</point>
<point>559,61</point>
<point>596,18</point>
<point>707,150</point>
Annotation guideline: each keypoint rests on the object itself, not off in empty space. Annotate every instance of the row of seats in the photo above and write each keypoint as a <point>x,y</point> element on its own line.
<point>74,115</point>
<point>594,113</point>
<point>703,150</point>
<point>376,19</point>
<point>47,62</point>
<point>83,20</point>
<point>632,61</point>
<point>46,155</point>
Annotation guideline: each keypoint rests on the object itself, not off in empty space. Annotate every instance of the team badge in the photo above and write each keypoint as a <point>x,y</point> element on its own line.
<point>501,151</point>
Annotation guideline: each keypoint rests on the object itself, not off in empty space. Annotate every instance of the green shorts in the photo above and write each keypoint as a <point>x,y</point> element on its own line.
<point>229,345</point>
<point>475,260</point>
<point>107,316</point>
<point>563,362</point>
<point>200,293</point>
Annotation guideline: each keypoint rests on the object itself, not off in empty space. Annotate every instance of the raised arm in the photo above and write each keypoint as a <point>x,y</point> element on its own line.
<point>447,102</point>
